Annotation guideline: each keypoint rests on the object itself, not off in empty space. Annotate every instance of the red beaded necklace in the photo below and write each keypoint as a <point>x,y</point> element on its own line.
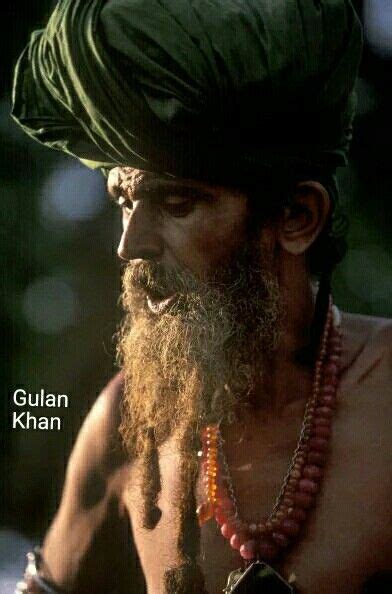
<point>266,540</point>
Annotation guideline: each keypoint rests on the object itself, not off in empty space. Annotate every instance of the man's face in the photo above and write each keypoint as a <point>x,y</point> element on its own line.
<point>180,224</point>
<point>200,298</point>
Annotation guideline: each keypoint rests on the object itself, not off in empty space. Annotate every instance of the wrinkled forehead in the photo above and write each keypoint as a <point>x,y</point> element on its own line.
<point>131,182</point>
<point>127,179</point>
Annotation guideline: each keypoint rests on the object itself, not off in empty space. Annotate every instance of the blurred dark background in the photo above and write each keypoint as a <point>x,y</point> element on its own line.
<point>60,276</point>
<point>60,282</point>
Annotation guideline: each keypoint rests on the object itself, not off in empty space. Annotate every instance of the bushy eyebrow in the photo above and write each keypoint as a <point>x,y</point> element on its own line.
<point>153,188</point>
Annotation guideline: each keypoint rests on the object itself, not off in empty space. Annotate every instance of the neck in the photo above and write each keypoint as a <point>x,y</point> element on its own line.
<point>285,379</point>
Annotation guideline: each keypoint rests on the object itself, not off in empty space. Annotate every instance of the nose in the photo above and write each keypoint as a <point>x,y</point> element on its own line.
<point>140,238</point>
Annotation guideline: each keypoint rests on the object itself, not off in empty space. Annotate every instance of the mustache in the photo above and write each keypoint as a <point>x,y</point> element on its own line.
<point>159,280</point>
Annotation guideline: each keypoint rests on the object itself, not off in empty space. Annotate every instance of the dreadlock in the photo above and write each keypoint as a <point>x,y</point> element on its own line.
<point>187,578</point>
<point>151,481</point>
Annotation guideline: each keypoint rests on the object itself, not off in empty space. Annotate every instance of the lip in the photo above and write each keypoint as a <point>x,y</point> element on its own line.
<point>158,306</point>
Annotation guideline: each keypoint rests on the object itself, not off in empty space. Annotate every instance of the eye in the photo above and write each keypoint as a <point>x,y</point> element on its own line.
<point>177,205</point>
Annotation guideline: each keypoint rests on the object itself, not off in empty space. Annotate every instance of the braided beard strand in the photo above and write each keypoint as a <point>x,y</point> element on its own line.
<point>191,365</point>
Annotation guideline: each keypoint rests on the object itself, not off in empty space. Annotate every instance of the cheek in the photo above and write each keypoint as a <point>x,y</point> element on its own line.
<point>218,238</point>
<point>208,239</point>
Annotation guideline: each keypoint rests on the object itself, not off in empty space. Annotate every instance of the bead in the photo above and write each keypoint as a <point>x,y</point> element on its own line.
<point>225,503</point>
<point>303,500</point>
<point>288,501</point>
<point>212,454</point>
<point>320,431</point>
<point>237,540</point>
<point>321,421</point>
<point>209,479</point>
<point>267,550</point>
<point>296,513</point>
<point>318,443</point>
<point>328,400</point>
<point>331,369</point>
<point>249,549</point>
<point>334,359</point>
<point>337,350</point>
<point>280,539</point>
<point>230,528</point>
<point>318,458</point>
<point>290,527</point>
<point>212,440</point>
<point>324,411</point>
<point>204,512</point>
<point>313,472</point>
<point>328,390</point>
<point>308,486</point>
<point>303,450</point>
<point>226,530</point>
<point>221,517</point>
<point>306,472</point>
<point>293,482</point>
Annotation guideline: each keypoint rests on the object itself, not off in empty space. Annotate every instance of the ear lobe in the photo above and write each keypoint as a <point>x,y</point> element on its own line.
<point>304,219</point>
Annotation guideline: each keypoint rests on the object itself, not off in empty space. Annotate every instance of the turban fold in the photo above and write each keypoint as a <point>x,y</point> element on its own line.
<point>213,89</point>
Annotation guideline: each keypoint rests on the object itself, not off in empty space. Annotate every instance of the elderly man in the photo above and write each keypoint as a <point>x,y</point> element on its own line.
<point>246,437</point>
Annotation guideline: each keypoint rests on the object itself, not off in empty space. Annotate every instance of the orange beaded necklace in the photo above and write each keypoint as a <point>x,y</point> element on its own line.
<point>266,540</point>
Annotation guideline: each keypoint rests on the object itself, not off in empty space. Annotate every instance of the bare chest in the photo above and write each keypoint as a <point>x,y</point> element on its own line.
<point>344,540</point>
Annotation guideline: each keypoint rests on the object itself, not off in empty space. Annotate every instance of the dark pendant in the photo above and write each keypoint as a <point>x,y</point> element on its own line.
<point>258,578</point>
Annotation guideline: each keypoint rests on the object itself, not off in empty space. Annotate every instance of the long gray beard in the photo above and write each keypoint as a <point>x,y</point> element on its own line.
<point>194,363</point>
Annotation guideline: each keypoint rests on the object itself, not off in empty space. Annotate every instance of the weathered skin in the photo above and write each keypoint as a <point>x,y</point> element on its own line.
<point>347,536</point>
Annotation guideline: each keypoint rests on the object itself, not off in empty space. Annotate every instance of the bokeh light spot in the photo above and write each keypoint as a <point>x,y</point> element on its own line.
<point>49,305</point>
<point>72,194</point>
<point>378,25</point>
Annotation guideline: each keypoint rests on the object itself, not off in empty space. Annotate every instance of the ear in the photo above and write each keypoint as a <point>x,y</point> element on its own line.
<point>303,220</point>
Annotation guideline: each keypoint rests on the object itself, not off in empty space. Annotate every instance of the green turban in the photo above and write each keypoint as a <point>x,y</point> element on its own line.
<point>213,89</point>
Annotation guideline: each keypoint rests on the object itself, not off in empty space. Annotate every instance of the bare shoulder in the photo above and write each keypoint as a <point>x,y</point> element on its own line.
<point>367,351</point>
<point>91,524</point>
<point>100,428</point>
<point>98,456</point>
<point>367,328</point>
<point>365,392</point>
